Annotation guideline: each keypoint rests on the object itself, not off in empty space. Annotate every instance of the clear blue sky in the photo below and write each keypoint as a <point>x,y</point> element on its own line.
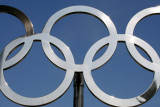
<point>121,77</point>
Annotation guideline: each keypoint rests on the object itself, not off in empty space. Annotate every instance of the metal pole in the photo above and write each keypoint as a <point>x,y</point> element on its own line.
<point>78,89</point>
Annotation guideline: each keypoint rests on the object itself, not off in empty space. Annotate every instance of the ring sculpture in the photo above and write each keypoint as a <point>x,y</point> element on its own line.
<point>88,64</point>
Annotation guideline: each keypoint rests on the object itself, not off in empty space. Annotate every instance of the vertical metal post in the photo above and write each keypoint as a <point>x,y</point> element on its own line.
<point>78,89</point>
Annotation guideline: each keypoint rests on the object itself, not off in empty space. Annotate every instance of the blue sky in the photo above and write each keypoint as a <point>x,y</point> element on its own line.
<point>121,77</point>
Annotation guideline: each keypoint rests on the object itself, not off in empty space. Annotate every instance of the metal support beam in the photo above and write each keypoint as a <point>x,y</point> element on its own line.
<point>78,89</point>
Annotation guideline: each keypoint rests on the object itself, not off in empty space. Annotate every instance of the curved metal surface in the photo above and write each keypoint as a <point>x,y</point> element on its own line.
<point>20,15</point>
<point>88,64</point>
<point>71,10</point>
<point>154,66</point>
<point>130,28</point>
<point>40,100</point>
<point>29,31</point>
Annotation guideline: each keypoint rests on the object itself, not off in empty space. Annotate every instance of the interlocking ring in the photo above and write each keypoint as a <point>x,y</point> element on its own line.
<point>88,64</point>
<point>29,31</point>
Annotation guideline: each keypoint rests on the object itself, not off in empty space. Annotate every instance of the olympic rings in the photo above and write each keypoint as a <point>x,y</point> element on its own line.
<point>88,64</point>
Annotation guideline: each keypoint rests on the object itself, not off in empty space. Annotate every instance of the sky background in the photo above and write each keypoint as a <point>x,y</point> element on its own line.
<point>121,77</point>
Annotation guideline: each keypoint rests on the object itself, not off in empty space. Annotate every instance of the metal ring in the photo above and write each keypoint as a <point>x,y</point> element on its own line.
<point>29,31</point>
<point>129,30</point>
<point>70,10</point>
<point>80,9</point>
<point>21,16</point>
<point>44,99</point>
<point>111,100</point>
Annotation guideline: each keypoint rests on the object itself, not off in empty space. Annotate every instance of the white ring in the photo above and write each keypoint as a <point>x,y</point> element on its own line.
<point>40,100</point>
<point>117,101</point>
